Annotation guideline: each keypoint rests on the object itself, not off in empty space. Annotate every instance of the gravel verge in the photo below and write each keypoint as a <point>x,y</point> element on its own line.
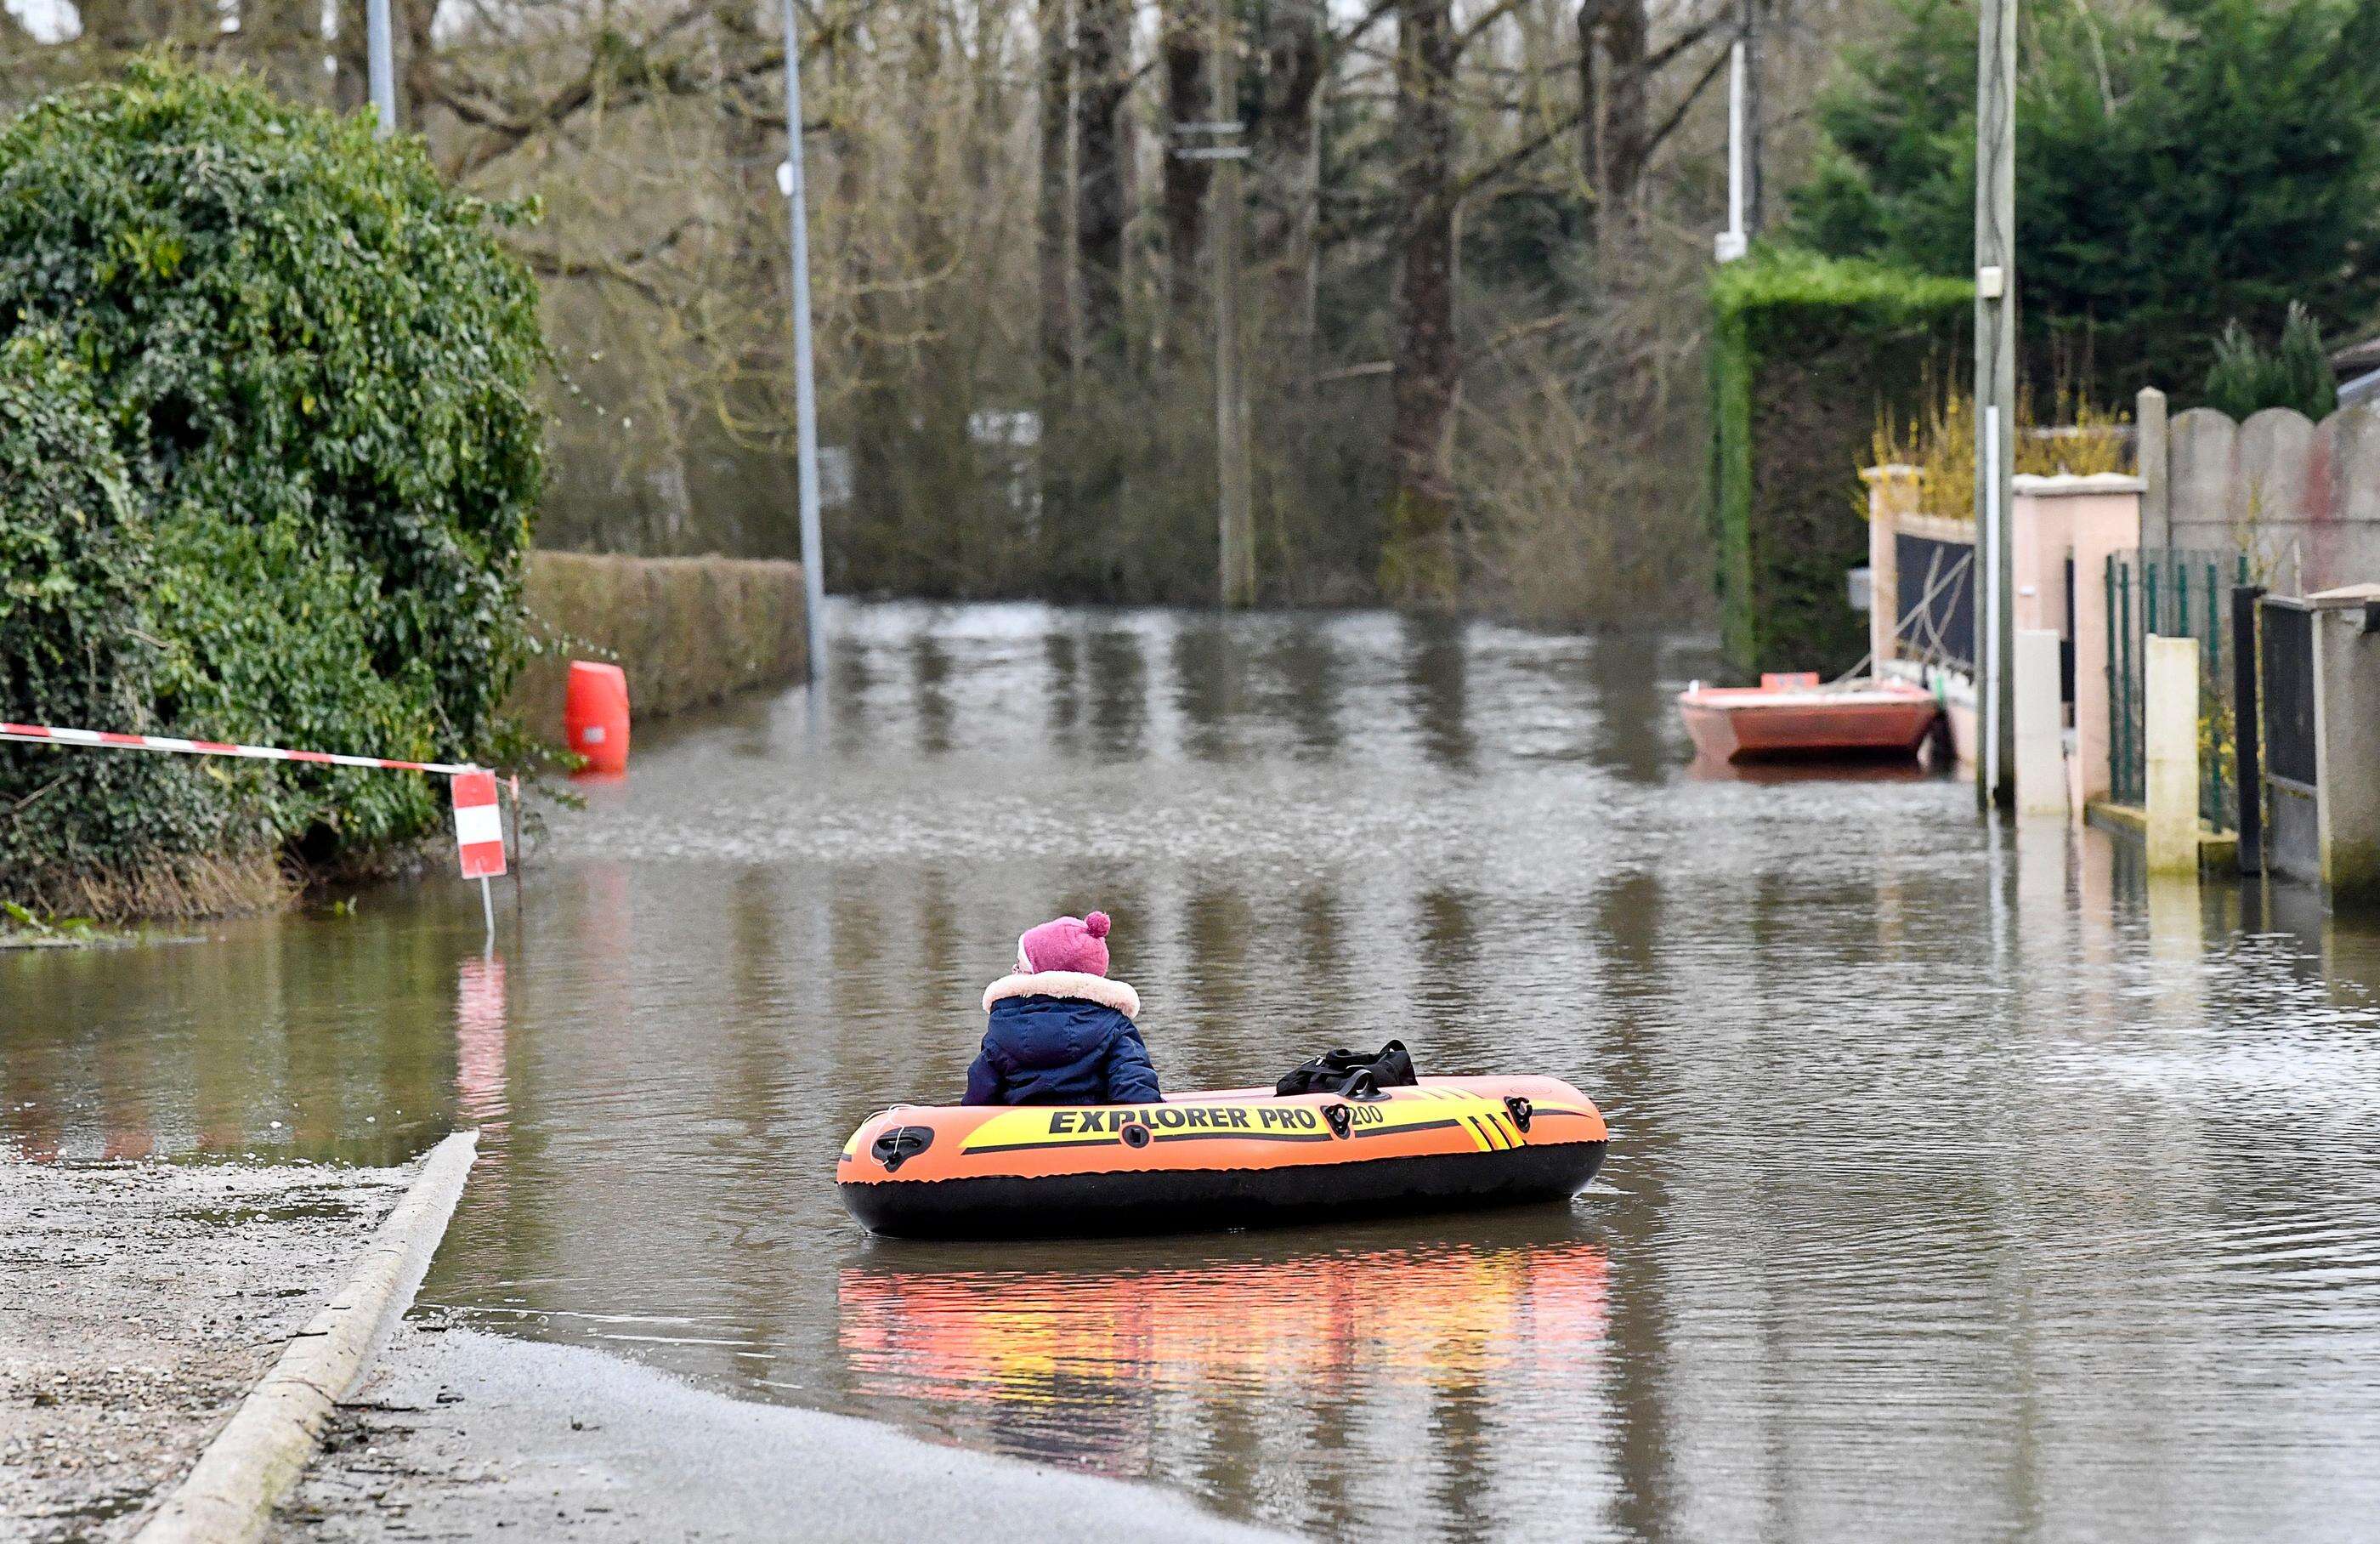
<point>141,1302</point>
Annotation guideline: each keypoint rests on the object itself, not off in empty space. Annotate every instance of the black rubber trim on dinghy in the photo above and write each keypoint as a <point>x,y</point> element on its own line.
<point>1179,1201</point>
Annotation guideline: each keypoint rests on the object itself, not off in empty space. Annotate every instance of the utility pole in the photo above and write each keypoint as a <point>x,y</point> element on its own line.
<point>806,447</point>
<point>1996,424</point>
<point>1234,518</point>
<point>380,63</point>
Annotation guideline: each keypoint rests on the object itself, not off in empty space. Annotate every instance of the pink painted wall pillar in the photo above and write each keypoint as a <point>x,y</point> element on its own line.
<point>2084,518</point>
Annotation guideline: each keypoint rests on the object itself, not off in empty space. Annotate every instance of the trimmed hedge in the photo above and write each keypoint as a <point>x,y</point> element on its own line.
<point>269,457</point>
<point>1804,353</point>
<point>686,630</point>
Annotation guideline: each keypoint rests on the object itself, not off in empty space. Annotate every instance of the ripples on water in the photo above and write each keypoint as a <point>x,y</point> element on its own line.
<point>1959,1186</point>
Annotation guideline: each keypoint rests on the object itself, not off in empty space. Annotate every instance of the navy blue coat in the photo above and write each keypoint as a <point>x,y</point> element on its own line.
<point>1061,1050</point>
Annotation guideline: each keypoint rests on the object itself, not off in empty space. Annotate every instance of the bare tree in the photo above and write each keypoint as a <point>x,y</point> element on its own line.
<point>1102,75</point>
<point>1288,165</point>
<point>1417,564</point>
<point>1187,30</point>
<point>978,250</point>
<point>1054,80</point>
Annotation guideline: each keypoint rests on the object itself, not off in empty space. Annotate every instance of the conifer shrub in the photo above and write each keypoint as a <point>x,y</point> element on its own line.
<point>269,457</point>
<point>2178,163</point>
<point>2247,377</point>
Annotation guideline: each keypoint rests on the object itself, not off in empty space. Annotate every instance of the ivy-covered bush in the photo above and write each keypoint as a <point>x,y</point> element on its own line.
<point>1806,353</point>
<point>268,462</point>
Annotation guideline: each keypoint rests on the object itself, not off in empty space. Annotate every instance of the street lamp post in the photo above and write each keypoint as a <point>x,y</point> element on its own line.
<point>1733,242</point>
<point>380,63</point>
<point>805,448</point>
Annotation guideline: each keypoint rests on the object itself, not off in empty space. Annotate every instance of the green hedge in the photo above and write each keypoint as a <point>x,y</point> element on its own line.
<point>1804,352</point>
<point>686,630</point>
<point>268,461</point>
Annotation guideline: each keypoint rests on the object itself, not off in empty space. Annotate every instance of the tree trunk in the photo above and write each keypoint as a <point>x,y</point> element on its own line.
<point>941,489</point>
<point>124,25</point>
<point>1103,61</point>
<point>351,85</point>
<point>1417,565</point>
<point>1625,30</point>
<point>869,542</point>
<point>1288,153</point>
<point>1057,255</point>
<point>281,41</point>
<point>1187,100</point>
<point>1591,16</point>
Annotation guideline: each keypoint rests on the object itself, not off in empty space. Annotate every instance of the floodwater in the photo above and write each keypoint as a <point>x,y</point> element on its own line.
<point>1959,1185</point>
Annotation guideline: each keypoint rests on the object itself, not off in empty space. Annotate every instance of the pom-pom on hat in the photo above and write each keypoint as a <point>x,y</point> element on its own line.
<point>1077,943</point>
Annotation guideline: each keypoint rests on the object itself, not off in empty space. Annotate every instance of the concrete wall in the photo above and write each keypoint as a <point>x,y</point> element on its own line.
<point>688,630</point>
<point>2347,731</point>
<point>2301,498</point>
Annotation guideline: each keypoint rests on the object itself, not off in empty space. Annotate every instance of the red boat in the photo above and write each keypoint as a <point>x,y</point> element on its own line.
<point>1795,715</point>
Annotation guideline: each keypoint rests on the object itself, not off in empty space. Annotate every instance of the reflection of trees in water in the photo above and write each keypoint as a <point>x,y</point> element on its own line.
<point>851,677</point>
<point>1209,671</point>
<point>1628,920</point>
<point>1635,724</point>
<point>1063,697</point>
<point>1305,663</point>
<point>1320,929</point>
<point>929,671</point>
<point>1223,1373</point>
<point>1458,1007</point>
<point>1119,672</point>
<point>1218,925</point>
<point>1438,687</point>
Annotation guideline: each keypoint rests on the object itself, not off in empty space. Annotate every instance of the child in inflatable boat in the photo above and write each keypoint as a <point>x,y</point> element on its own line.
<point>1061,1031</point>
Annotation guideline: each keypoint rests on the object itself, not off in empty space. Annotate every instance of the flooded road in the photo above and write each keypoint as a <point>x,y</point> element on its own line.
<point>1957,1185</point>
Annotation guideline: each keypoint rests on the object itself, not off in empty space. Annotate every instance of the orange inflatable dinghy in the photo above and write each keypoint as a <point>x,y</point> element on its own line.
<point>1239,1158</point>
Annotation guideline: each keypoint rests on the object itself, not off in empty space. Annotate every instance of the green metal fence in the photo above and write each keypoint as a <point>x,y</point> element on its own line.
<point>2173,593</point>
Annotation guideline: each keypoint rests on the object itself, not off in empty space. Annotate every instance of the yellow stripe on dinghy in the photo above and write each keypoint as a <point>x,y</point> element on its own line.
<point>1485,1122</point>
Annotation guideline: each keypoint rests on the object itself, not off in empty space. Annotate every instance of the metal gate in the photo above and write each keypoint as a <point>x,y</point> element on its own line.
<point>2171,594</point>
<point>2285,658</point>
<point>1935,619</point>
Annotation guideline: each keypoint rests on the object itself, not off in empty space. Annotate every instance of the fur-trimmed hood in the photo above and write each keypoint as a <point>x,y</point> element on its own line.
<point>1074,984</point>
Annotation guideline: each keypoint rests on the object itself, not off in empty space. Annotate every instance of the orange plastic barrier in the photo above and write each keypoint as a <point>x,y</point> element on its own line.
<point>1237,1158</point>
<point>595,715</point>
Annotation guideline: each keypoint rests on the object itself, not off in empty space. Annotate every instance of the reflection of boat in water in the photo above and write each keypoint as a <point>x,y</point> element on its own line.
<point>1889,768</point>
<point>1797,716</point>
<point>1230,1159</point>
<point>1085,1365</point>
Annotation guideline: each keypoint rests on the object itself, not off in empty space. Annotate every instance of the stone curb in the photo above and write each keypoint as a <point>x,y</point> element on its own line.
<point>229,1494</point>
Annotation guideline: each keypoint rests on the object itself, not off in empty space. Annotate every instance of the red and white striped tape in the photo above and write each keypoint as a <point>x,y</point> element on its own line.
<point>479,828</point>
<point>35,733</point>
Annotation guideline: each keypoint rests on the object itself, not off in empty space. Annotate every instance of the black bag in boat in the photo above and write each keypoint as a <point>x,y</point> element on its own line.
<point>1351,1073</point>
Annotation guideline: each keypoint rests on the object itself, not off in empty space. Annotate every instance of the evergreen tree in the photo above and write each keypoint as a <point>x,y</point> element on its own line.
<point>2179,165</point>
<point>2247,378</point>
